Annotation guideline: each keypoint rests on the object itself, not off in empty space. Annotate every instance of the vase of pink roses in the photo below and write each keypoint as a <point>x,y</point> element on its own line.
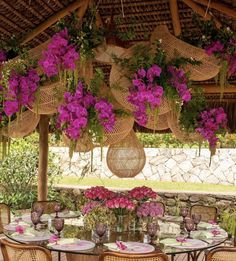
<point>121,206</point>
<point>149,213</point>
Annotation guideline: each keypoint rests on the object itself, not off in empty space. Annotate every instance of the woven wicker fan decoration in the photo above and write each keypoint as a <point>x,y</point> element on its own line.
<point>174,46</point>
<point>21,127</point>
<point>126,158</point>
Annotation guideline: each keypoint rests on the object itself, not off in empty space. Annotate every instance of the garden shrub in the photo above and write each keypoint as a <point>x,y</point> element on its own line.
<point>18,173</point>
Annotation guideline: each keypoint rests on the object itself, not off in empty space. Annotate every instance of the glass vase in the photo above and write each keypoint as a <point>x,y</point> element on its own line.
<point>120,226</point>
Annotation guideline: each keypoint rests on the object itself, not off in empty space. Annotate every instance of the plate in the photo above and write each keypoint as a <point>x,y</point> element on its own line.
<point>81,245</point>
<point>190,244</point>
<point>30,238</point>
<point>132,247</point>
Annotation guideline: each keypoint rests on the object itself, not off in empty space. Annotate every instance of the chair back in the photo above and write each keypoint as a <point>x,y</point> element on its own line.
<point>112,256</point>
<point>5,216</point>
<point>207,212</point>
<point>23,252</point>
<point>48,206</point>
<point>221,254</point>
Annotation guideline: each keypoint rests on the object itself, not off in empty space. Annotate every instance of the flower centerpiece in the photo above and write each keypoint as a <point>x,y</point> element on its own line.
<point>153,79</point>
<point>149,211</point>
<point>121,206</point>
<point>99,193</point>
<point>89,206</point>
<point>142,194</point>
<point>99,214</point>
<point>211,122</point>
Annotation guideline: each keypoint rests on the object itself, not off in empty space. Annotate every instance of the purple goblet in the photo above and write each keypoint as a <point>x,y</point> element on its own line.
<point>196,218</point>
<point>152,229</point>
<point>57,208</point>
<point>189,225</point>
<point>35,218</point>
<point>59,224</point>
<point>100,229</point>
<point>39,209</point>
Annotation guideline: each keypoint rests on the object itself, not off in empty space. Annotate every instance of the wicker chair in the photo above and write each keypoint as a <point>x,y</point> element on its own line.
<point>221,254</point>
<point>22,252</point>
<point>48,206</point>
<point>111,256</point>
<point>4,216</point>
<point>207,213</point>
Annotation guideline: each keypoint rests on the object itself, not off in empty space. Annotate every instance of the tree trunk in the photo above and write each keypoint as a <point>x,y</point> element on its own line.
<point>43,157</point>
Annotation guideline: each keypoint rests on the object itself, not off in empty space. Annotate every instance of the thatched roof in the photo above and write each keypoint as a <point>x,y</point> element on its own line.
<point>32,20</point>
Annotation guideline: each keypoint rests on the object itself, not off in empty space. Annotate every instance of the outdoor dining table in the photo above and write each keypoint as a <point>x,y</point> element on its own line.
<point>131,236</point>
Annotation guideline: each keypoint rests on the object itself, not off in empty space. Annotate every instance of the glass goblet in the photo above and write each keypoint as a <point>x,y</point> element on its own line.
<point>152,229</point>
<point>100,229</point>
<point>35,218</point>
<point>184,212</point>
<point>39,209</point>
<point>59,225</point>
<point>189,225</point>
<point>57,208</point>
<point>196,218</point>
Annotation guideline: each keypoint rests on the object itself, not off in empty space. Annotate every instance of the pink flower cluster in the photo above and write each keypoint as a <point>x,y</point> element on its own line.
<point>150,209</point>
<point>210,122</point>
<point>214,48</point>
<point>3,56</point>
<point>99,193</point>
<point>106,116</point>
<point>142,193</point>
<point>60,55</point>
<point>74,115</point>
<point>20,229</point>
<point>89,206</point>
<point>21,91</point>
<point>145,92</point>
<point>120,202</point>
<point>179,80</point>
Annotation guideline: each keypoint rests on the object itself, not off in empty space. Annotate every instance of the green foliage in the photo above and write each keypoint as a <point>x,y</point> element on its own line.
<point>190,111</point>
<point>18,173</point>
<point>84,34</point>
<point>228,220</point>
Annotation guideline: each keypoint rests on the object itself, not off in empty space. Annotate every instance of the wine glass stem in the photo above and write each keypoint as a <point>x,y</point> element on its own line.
<point>189,234</point>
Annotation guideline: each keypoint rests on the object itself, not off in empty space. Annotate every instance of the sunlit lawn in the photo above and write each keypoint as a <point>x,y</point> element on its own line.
<point>158,185</point>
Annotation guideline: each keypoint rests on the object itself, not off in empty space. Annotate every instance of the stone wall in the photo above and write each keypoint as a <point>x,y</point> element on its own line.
<point>179,165</point>
<point>174,200</point>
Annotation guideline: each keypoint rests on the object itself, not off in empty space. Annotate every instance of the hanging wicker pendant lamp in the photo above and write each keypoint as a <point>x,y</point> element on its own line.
<point>127,158</point>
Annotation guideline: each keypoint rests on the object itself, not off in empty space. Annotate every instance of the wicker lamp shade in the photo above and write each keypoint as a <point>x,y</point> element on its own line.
<point>174,46</point>
<point>83,144</point>
<point>126,158</point>
<point>23,126</point>
<point>50,96</point>
<point>122,128</point>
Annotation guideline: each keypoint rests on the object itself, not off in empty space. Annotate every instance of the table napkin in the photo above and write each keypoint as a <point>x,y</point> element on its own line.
<point>173,242</point>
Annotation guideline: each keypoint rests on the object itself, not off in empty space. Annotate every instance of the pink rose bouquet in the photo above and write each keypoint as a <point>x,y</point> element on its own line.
<point>120,205</point>
<point>142,193</point>
<point>99,193</point>
<point>150,209</point>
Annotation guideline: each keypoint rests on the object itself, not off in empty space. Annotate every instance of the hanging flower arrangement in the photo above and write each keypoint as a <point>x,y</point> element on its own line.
<point>210,123</point>
<point>82,110</point>
<point>60,55</point>
<point>152,79</point>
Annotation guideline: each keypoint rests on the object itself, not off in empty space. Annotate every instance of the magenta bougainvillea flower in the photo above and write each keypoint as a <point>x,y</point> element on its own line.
<point>210,122</point>
<point>60,55</point>
<point>21,91</point>
<point>75,114</point>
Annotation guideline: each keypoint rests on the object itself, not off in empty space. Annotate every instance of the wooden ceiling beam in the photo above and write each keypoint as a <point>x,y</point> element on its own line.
<point>222,8</point>
<point>202,12</point>
<point>52,20</point>
<point>213,88</point>
<point>83,9</point>
<point>174,10</point>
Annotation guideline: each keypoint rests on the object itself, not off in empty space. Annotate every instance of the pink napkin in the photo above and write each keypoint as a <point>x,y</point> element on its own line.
<point>20,229</point>
<point>120,245</point>
<point>53,238</point>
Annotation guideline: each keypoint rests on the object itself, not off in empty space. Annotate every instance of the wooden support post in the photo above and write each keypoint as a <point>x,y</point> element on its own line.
<point>199,10</point>
<point>174,10</point>
<point>43,157</point>
<point>53,19</point>
<point>221,7</point>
